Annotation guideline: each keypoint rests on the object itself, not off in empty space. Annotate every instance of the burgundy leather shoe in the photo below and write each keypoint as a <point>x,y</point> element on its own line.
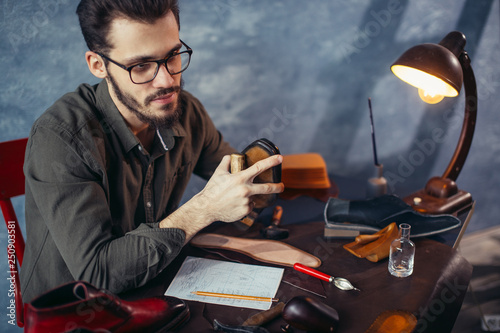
<point>80,305</point>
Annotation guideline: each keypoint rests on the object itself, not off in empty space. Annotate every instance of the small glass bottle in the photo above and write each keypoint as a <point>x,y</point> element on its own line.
<point>402,253</point>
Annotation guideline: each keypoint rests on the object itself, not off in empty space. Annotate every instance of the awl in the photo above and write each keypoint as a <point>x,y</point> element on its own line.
<point>339,282</point>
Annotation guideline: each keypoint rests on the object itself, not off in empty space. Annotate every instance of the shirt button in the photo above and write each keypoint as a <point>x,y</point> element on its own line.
<point>148,204</point>
<point>140,147</point>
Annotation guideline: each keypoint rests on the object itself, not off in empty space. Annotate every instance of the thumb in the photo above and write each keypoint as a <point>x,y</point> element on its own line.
<point>224,164</point>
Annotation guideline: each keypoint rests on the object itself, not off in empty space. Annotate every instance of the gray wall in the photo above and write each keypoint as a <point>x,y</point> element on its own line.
<point>296,72</point>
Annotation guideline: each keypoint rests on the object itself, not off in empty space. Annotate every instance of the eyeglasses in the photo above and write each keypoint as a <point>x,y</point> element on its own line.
<point>145,72</point>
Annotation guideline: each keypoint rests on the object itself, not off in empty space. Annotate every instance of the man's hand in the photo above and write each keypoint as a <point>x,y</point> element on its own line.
<point>226,197</point>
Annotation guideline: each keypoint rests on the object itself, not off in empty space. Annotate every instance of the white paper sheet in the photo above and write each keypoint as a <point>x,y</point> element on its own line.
<point>200,274</point>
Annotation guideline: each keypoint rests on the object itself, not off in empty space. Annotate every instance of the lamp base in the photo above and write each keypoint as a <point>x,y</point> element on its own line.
<point>440,196</point>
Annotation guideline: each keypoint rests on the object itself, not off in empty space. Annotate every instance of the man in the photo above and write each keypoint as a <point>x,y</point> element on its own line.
<point>106,165</point>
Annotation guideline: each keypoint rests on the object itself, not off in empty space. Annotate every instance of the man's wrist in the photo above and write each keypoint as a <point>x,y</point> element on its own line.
<point>190,217</point>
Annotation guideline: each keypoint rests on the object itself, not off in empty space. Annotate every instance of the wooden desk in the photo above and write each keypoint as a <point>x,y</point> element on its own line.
<point>434,293</point>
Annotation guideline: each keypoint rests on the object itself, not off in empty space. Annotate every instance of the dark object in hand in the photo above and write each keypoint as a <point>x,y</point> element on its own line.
<point>256,151</point>
<point>308,314</point>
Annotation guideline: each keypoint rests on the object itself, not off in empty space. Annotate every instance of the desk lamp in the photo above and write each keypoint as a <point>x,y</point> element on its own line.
<point>438,70</point>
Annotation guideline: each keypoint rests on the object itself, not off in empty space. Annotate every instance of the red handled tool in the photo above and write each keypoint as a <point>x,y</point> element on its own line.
<point>339,282</point>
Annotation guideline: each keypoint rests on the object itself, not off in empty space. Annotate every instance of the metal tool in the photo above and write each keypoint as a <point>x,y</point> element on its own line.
<point>374,144</point>
<point>341,283</point>
<point>219,327</point>
<point>317,291</point>
<point>273,231</point>
<point>377,185</point>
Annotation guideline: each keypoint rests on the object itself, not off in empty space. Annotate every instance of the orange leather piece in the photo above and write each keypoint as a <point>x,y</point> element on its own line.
<point>376,246</point>
<point>393,322</point>
<point>305,171</point>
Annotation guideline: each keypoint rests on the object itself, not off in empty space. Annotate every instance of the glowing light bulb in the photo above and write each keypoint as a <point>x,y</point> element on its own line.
<point>431,89</point>
<point>429,97</point>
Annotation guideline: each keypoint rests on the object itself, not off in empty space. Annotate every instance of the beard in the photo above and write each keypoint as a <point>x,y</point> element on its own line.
<point>172,110</point>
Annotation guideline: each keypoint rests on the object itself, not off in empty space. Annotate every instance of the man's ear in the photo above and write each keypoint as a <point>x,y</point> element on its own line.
<point>96,65</point>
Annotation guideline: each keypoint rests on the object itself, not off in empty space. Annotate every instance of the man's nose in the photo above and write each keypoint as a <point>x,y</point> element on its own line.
<point>163,79</point>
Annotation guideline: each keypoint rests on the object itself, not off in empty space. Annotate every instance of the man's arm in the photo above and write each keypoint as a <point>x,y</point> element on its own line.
<point>70,228</point>
<point>226,197</point>
<point>71,224</point>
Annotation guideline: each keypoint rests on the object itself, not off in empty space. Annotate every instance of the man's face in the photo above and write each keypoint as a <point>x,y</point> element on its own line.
<point>154,103</point>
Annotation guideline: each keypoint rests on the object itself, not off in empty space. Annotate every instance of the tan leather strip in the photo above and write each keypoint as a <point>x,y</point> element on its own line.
<point>265,250</point>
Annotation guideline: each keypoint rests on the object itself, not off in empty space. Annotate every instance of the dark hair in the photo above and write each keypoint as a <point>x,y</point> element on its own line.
<point>96,17</point>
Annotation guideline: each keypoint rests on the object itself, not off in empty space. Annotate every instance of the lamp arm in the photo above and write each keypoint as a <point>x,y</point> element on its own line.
<point>469,124</point>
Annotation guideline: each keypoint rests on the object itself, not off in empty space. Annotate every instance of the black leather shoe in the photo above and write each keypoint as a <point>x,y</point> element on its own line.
<point>372,215</point>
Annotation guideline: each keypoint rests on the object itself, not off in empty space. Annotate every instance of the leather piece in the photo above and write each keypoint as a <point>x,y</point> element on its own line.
<point>265,250</point>
<point>305,171</point>
<point>374,247</point>
<point>78,304</point>
<point>372,215</point>
<point>393,321</point>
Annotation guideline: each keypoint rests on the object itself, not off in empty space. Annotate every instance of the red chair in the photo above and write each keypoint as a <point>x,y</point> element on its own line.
<point>12,185</point>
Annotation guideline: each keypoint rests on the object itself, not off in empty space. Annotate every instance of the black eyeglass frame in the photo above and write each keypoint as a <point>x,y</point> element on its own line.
<point>158,63</point>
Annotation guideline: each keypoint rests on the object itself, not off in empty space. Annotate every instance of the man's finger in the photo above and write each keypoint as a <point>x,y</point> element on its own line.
<point>262,166</point>
<point>266,188</point>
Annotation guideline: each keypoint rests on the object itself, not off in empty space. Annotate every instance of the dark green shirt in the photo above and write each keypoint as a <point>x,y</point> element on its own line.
<point>95,196</point>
